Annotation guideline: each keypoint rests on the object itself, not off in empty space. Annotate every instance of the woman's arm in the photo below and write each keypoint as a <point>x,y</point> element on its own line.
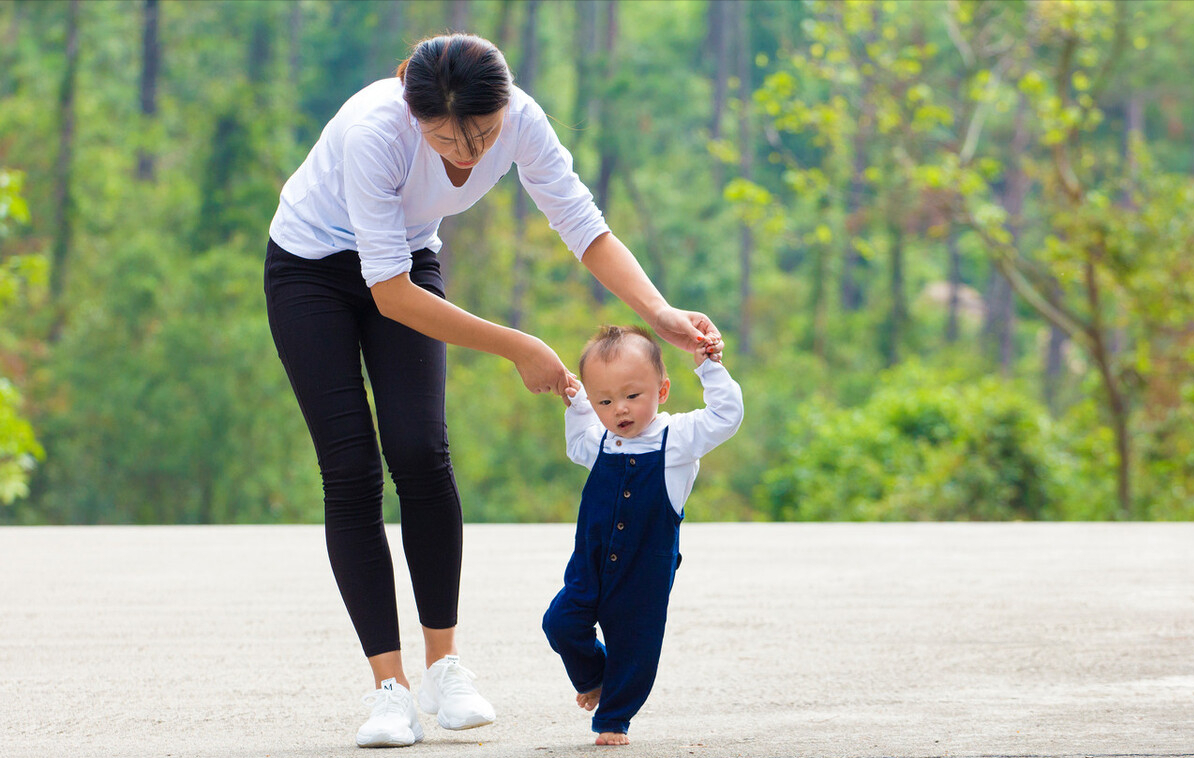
<point>616,267</point>
<point>404,301</point>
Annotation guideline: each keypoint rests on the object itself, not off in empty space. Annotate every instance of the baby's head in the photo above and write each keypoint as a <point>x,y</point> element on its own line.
<point>623,373</point>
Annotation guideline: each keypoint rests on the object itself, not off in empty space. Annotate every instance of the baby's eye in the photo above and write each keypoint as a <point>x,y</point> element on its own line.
<point>631,397</point>
<point>602,402</point>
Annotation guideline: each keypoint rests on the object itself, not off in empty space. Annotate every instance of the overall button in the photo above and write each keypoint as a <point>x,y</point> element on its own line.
<point>621,526</point>
<point>613,556</point>
<point>631,461</point>
<point>618,443</point>
<point>626,493</point>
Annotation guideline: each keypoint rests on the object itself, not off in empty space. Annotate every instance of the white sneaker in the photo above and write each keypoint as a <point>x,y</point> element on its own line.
<point>395,722</point>
<point>448,692</point>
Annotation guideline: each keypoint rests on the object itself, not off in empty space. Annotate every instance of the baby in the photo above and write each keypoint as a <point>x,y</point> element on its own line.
<point>642,466</point>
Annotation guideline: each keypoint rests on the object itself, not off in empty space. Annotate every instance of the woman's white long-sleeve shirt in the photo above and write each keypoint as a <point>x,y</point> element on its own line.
<point>691,434</point>
<point>372,184</point>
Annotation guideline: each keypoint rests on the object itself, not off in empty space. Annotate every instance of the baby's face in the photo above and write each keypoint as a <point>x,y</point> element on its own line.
<point>625,392</point>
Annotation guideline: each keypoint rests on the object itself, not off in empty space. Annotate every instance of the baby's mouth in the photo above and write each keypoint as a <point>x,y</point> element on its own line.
<point>624,424</point>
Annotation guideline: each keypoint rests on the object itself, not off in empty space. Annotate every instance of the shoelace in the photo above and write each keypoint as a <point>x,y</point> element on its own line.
<point>456,680</point>
<point>395,700</point>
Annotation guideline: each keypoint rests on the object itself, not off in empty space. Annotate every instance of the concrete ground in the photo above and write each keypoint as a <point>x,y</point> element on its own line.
<point>857,640</point>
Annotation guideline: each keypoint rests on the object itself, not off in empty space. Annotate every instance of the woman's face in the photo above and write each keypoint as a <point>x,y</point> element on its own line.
<point>445,138</point>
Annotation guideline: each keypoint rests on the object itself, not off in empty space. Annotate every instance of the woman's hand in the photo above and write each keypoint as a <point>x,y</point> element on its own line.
<point>690,331</point>
<point>615,267</point>
<point>541,369</point>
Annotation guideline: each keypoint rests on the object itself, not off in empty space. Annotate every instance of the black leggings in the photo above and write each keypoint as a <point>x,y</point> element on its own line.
<point>323,319</point>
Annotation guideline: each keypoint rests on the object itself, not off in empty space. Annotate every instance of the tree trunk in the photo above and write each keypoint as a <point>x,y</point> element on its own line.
<point>389,44</point>
<point>295,58</point>
<point>506,24</point>
<point>1054,366</point>
<point>899,305</point>
<point>955,284</point>
<point>1134,118</point>
<point>1116,401</point>
<point>9,54</point>
<point>820,303</point>
<point>150,65</point>
<point>261,53</point>
<point>1135,130</point>
<point>720,50</point>
<point>585,48</point>
<point>607,155</point>
<point>461,16</point>
<point>852,296</point>
<point>746,236</point>
<point>528,70</point>
<point>1000,325</point>
<point>63,200</point>
<point>658,269</point>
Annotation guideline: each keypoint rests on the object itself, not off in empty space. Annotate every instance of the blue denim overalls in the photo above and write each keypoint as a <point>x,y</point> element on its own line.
<point>619,576</point>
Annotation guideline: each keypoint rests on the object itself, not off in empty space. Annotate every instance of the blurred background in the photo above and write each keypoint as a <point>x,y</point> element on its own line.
<point>950,244</point>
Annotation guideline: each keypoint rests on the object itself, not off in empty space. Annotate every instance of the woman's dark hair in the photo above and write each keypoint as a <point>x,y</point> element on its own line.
<point>458,77</point>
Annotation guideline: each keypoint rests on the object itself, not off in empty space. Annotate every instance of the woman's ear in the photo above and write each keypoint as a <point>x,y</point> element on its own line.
<point>664,389</point>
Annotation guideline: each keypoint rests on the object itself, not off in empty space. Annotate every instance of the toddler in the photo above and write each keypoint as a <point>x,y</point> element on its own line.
<point>642,465</point>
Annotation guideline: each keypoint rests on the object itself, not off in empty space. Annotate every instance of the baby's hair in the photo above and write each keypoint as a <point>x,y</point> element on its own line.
<point>609,342</point>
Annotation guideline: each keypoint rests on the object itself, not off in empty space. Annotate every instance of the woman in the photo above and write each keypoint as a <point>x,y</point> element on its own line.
<point>351,270</point>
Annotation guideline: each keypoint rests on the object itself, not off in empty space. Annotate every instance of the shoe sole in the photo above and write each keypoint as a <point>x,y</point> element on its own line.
<point>388,744</point>
<point>392,743</point>
<point>467,725</point>
<point>432,708</point>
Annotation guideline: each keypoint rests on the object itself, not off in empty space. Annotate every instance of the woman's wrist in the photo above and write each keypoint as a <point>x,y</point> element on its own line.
<point>512,344</point>
<point>656,314</point>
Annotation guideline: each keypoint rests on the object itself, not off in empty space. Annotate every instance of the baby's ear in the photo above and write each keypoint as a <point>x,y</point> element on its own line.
<point>664,389</point>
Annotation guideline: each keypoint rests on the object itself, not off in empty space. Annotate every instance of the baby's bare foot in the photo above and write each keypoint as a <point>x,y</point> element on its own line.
<point>612,738</point>
<point>589,700</point>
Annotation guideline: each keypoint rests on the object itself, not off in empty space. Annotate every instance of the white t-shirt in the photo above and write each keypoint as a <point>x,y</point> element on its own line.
<point>372,184</point>
<point>692,434</point>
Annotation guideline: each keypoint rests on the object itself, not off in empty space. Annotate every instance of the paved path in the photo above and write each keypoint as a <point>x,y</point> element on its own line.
<point>826,640</point>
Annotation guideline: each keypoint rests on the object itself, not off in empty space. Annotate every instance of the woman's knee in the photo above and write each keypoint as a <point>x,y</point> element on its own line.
<point>420,470</point>
<point>352,481</point>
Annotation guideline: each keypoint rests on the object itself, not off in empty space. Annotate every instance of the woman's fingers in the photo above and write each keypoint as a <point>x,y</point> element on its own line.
<point>709,334</point>
<point>541,370</point>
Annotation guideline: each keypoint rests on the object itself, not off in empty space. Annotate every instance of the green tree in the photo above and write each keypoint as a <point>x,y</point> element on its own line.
<point>19,448</point>
<point>1105,223</point>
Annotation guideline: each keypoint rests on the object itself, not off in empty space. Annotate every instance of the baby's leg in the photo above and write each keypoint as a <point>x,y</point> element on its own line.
<point>571,630</point>
<point>632,658</point>
<point>632,618</point>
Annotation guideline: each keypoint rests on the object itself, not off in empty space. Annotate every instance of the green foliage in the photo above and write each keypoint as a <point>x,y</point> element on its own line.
<point>884,140</point>
<point>190,419</point>
<point>19,448</point>
<point>927,445</point>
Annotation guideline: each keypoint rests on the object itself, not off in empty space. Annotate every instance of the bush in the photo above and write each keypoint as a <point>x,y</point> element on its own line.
<point>924,446</point>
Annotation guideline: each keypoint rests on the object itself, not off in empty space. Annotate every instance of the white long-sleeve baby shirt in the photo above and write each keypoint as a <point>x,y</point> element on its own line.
<point>690,434</point>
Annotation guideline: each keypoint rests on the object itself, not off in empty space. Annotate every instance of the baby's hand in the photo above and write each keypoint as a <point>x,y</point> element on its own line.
<point>709,347</point>
<point>571,390</point>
